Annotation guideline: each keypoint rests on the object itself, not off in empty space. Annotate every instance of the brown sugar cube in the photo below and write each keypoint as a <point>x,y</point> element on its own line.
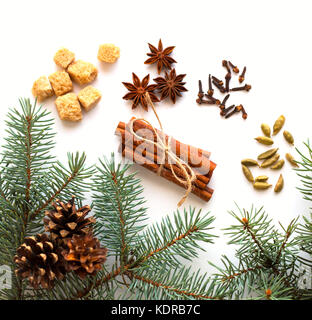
<point>68,107</point>
<point>61,82</point>
<point>63,58</point>
<point>89,97</point>
<point>108,52</point>
<point>82,72</point>
<point>42,88</point>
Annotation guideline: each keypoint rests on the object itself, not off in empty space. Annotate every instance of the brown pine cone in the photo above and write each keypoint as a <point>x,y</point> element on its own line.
<point>84,255</point>
<point>40,260</point>
<point>65,220</point>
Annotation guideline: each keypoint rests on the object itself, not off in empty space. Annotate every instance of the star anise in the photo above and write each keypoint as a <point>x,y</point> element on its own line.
<point>171,85</point>
<point>138,90</point>
<point>161,56</point>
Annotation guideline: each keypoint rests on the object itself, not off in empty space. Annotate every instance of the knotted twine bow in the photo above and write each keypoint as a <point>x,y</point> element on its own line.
<point>166,151</point>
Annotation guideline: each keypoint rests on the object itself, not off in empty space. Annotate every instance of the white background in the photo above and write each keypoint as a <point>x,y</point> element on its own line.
<point>272,38</point>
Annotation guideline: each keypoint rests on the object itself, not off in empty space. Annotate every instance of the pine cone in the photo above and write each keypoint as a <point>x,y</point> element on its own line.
<point>39,260</point>
<point>65,220</point>
<point>84,255</point>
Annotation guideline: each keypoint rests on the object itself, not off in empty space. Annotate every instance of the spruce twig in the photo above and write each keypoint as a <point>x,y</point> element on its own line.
<point>196,225</point>
<point>28,174</point>
<point>262,250</point>
<point>158,284</point>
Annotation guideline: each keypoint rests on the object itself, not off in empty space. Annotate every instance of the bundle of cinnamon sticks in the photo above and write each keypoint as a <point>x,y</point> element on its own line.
<point>147,155</point>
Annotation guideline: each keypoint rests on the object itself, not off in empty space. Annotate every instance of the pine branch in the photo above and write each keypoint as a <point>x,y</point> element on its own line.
<point>231,272</point>
<point>30,180</point>
<point>271,289</point>
<point>174,238</point>
<point>26,151</point>
<point>63,182</point>
<point>304,172</point>
<point>179,283</point>
<point>100,282</point>
<point>262,249</point>
<point>305,229</point>
<point>288,232</point>
<point>305,240</point>
<point>28,168</point>
<point>118,206</point>
<point>189,231</point>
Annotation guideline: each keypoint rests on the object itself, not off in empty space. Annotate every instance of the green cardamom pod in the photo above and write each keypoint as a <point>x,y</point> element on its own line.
<point>279,184</point>
<point>249,162</point>
<point>248,173</point>
<point>267,154</point>
<point>265,140</point>
<point>261,185</point>
<point>261,179</point>
<point>278,125</point>
<point>278,165</point>
<point>266,130</point>
<point>291,160</point>
<point>269,162</point>
<point>288,137</point>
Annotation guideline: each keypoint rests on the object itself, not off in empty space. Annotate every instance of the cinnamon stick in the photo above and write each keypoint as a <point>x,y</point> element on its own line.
<point>201,162</point>
<point>204,194</point>
<point>149,153</point>
<point>180,146</point>
<point>153,160</point>
<point>139,124</point>
<point>122,129</point>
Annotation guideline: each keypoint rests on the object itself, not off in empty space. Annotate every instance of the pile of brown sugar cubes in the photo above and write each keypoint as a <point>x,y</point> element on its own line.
<point>69,104</point>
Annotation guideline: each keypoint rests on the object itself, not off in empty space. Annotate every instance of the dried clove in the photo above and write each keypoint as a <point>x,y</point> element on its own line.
<point>242,109</point>
<point>219,82</point>
<point>216,101</point>
<point>200,90</point>
<point>220,87</point>
<point>223,112</point>
<point>225,64</point>
<point>201,101</point>
<point>237,109</point>
<point>241,78</point>
<point>222,105</point>
<point>234,68</point>
<point>211,100</point>
<point>244,113</point>
<point>210,90</point>
<point>227,81</point>
<point>246,87</point>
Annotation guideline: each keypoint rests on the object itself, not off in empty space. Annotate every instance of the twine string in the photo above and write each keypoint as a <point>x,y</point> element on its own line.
<point>165,147</point>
